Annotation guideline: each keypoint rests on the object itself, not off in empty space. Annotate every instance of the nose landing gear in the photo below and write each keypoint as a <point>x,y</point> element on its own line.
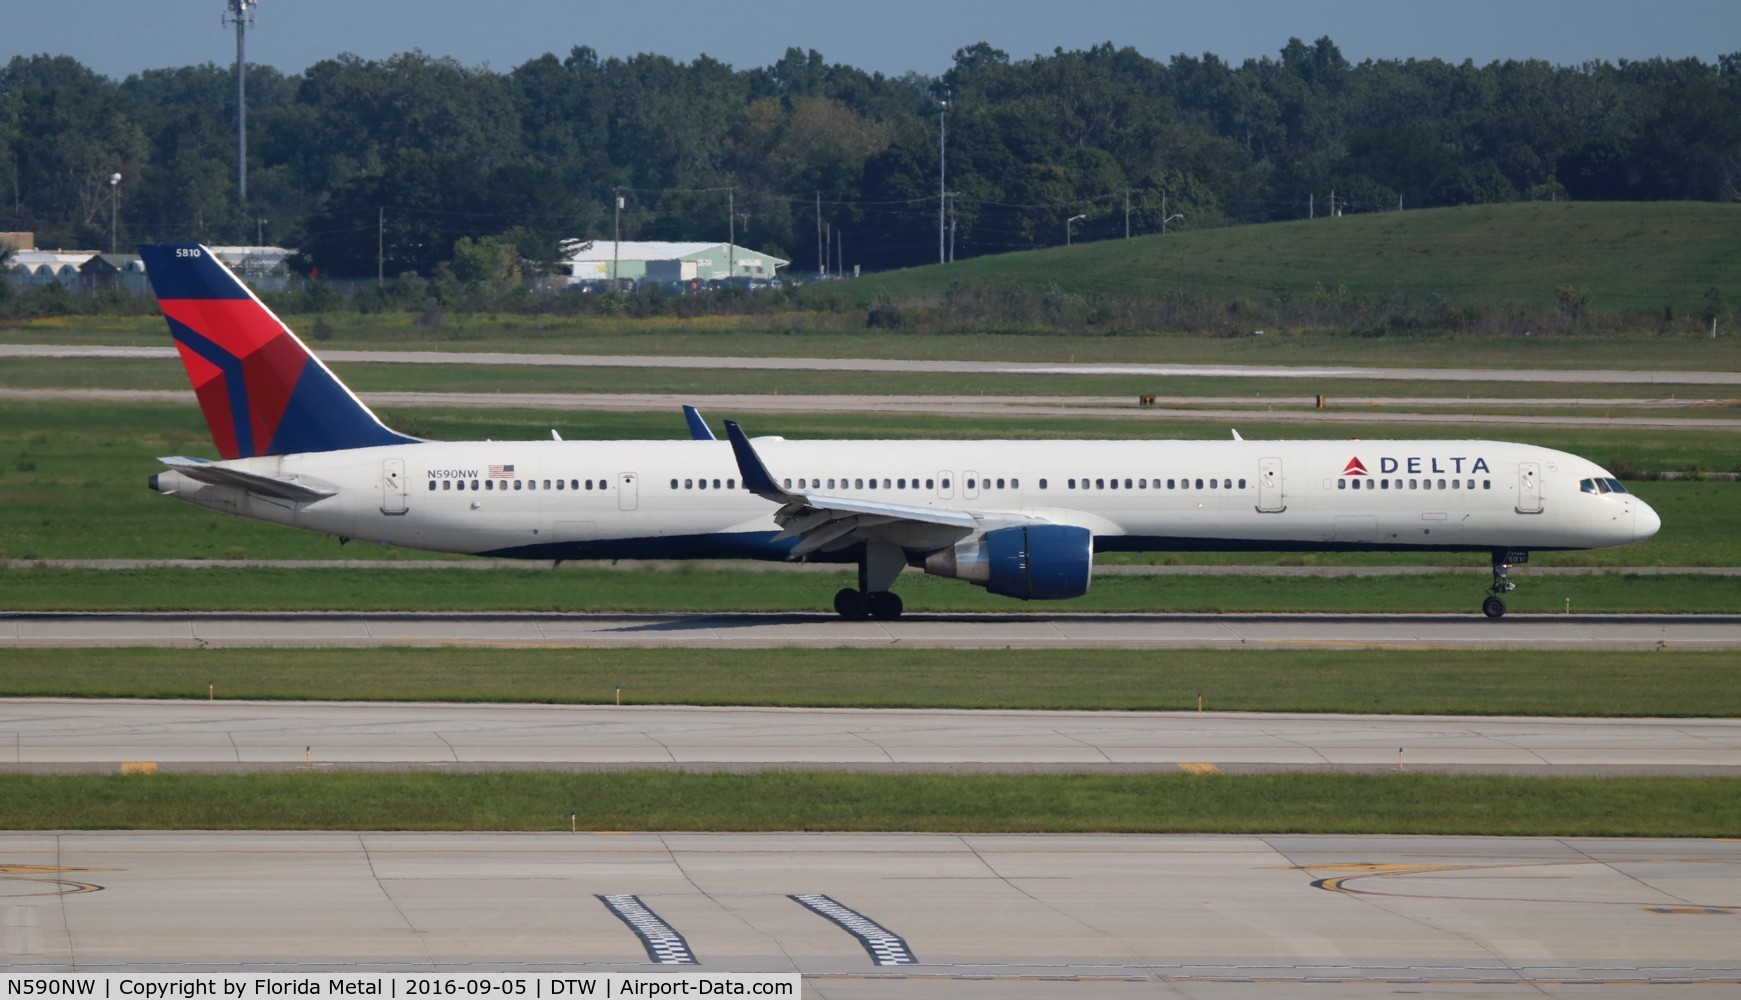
<point>1494,605</point>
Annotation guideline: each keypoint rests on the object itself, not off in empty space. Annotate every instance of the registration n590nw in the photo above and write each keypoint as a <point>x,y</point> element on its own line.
<point>1022,519</point>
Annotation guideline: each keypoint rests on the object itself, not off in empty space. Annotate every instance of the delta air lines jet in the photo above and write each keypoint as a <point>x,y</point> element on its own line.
<point>1020,518</point>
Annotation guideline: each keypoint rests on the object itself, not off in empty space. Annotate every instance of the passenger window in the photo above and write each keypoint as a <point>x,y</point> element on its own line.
<point>1199,484</point>
<point>688,484</point>
<point>946,484</point>
<point>1412,484</point>
<point>474,486</point>
<point>432,486</point>
<point>901,483</point>
<point>1242,483</point>
<point>489,484</point>
<point>1015,484</point>
<point>1071,483</point>
<point>701,484</point>
<point>574,484</point>
<point>1042,484</point>
<point>930,484</point>
<point>1170,484</point>
<point>1000,484</point>
<point>1486,484</point>
<point>831,483</point>
<point>732,484</point>
<point>1100,484</point>
<point>532,484</point>
<point>1354,484</point>
<point>559,483</point>
<point>1384,484</point>
<point>1455,483</point>
<point>1341,484</point>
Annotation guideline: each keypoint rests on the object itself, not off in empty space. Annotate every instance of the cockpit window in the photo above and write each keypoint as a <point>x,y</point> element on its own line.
<point>1614,484</point>
<point>1600,485</point>
<point>1586,485</point>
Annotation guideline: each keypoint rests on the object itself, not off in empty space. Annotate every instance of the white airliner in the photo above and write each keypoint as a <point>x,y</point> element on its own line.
<point>1019,518</point>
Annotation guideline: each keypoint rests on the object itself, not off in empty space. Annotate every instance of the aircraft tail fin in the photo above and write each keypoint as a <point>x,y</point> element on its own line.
<point>262,391</point>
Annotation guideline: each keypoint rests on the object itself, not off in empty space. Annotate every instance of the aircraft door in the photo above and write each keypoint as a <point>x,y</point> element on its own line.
<point>1529,488</point>
<point>393,486</point>
<point>945,484</point>
<point>1269,486</point>
<point>628,490</point>
<point>970,485</point>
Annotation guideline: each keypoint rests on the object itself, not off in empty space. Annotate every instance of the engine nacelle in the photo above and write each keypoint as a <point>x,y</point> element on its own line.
<point>1037,562</point>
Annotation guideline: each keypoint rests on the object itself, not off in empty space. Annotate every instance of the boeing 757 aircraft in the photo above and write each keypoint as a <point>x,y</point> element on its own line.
<point>1020,518</point>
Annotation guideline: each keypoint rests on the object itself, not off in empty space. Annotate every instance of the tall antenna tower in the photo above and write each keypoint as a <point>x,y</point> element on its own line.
<point>241,14</point>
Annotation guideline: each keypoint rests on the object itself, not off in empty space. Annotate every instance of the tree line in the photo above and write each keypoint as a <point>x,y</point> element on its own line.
<point>390,163</point>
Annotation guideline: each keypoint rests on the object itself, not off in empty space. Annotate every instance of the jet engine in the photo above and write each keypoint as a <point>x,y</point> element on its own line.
<point>1035,562</point>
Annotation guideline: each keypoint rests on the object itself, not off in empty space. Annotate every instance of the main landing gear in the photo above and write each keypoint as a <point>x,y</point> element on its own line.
<point>877,569</point>
<point>860,604</point>
<point>1494,605</point>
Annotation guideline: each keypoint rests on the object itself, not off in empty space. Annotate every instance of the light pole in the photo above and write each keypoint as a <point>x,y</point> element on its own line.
<point>1170,218</point>
<point>942,173</point>
<point>1067,223</point>
<point>114,208</point>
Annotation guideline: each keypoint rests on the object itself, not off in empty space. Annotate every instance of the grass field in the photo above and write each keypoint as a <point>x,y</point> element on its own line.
<point>777,801</point>
<point>1408,682</point>
<point>1633,256</point>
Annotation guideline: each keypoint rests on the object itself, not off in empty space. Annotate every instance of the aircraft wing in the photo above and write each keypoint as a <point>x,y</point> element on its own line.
<point>293,488</point>
<point>828,523</point>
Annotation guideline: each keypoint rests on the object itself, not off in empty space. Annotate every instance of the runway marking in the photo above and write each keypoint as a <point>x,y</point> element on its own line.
<point>138,767</point>
<point>1198,767</point>
<point>664,945</point>
<point>885,946</point>
<point>61,886</point>
<point>1339,884</point>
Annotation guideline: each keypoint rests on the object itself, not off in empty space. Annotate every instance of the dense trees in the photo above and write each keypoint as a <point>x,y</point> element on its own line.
<point>415,153</point>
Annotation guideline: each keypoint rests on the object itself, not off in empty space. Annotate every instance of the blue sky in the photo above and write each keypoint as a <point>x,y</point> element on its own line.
<point>118,37</point>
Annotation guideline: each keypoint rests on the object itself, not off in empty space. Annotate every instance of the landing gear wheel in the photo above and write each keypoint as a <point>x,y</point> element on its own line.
<point>885,605</point>
<point>852,604</point>
<point>1493,607</point>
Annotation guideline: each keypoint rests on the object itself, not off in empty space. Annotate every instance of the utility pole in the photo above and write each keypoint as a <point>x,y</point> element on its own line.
<point>381,246</point>
<point>731,251</point>
<point>241,14</point>
<point>617,238</point>
<point>952,196</point>
<point>1127,212</point>
<point>942,172</point>
<point>1163,211</point>
<point>821,261</point>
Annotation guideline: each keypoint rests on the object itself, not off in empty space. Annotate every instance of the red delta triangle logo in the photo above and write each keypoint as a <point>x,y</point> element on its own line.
<point>1355,468</point>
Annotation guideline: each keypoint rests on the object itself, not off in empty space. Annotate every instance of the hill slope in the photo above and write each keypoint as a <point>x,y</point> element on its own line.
<point>1629,256</point>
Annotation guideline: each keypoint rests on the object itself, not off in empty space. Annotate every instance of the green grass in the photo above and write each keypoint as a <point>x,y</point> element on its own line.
<point>690,590</point>
<point>778,801</point>
<point>1408,682</point>
<point>1632,256</point>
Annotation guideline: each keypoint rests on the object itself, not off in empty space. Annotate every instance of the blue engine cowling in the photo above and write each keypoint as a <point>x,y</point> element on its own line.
<point>1039,562</point>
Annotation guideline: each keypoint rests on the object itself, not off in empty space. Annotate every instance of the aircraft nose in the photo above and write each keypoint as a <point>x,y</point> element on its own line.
<point>1645,522</point>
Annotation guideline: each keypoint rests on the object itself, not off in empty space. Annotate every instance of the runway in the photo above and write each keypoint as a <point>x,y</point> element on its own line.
<point>879,365</point>
<point>1219,918</point>
<point>938,631</point>
<point>60,735</point>
<point>1683,416</point>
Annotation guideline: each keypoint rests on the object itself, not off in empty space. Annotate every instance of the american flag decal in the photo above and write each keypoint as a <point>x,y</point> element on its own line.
<point>501,472</point>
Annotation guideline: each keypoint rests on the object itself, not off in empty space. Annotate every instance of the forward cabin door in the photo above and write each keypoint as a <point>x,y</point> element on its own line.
<point>393,486</point>
<point>1529,488</point>
<point>628,490</point>
<point>1269,486</point>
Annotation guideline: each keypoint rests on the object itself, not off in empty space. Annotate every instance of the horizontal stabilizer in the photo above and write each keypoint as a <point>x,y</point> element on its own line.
<point>293,488</point>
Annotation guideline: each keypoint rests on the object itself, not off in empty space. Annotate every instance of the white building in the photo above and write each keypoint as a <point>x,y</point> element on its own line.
<point>600,260</point>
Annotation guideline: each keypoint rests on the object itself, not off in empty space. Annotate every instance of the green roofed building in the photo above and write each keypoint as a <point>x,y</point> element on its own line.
<point>600,260</point>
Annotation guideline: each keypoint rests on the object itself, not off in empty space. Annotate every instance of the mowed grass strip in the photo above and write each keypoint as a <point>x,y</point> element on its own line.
<point>1413,682</point>
<point>811,801</point>
<point>689,591</point>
